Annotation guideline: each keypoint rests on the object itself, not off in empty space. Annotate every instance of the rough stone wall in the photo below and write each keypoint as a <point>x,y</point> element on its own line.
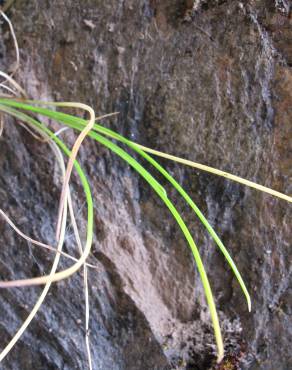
<point>206,80</point>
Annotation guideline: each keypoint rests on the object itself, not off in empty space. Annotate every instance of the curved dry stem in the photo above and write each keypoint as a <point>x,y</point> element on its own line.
<point>39,302</point>
<point>41,298</point>
<point>16,66</point>
<point>38,243</point>
<point>3,86</point>
<point>13,83</point>
<point>30,240</point>
<point>8,76</point>
<point>71,270</point>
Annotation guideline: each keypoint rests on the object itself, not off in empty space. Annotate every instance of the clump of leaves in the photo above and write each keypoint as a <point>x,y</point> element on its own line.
<point>24,111</point>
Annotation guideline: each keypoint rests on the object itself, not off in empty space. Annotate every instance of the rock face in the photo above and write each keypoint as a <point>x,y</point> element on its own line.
<point>206,80</point>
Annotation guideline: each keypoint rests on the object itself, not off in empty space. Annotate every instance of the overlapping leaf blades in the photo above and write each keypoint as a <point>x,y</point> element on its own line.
<point>99,134</point>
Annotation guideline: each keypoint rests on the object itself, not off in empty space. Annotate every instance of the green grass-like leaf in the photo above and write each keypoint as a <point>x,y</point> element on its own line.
<point>79,123</point>
<point>8,105</point>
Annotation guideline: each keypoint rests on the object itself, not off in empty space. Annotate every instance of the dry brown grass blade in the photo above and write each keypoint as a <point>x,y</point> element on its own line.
<point>16,66</point>
<point>41,298</point>
<point>71,270</point>
<point>38,243</point>
<point>9,89</point>
<point>9,79</point>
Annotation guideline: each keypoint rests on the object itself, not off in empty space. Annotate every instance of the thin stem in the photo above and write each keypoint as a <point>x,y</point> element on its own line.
<point>14,39</point>
<point>38,243</point>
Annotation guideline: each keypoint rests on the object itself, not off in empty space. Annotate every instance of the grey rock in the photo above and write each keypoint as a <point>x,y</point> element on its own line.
<point>213,87</point>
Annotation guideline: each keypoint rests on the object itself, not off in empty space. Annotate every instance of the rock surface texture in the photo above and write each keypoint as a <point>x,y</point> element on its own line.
<point>206,80</point>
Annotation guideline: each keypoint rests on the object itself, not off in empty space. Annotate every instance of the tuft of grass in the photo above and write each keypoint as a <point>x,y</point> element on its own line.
<point>158,188</point>
<point>104,136</point>
<point>99,133</point>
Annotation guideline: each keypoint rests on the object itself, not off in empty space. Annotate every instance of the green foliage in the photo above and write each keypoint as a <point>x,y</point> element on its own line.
<point>99,134</point>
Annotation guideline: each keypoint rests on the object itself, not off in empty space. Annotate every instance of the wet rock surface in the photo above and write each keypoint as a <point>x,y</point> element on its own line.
<point>206,80</point>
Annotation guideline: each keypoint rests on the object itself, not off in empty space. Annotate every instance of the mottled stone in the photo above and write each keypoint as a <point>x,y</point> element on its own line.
<point>209,81</point>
